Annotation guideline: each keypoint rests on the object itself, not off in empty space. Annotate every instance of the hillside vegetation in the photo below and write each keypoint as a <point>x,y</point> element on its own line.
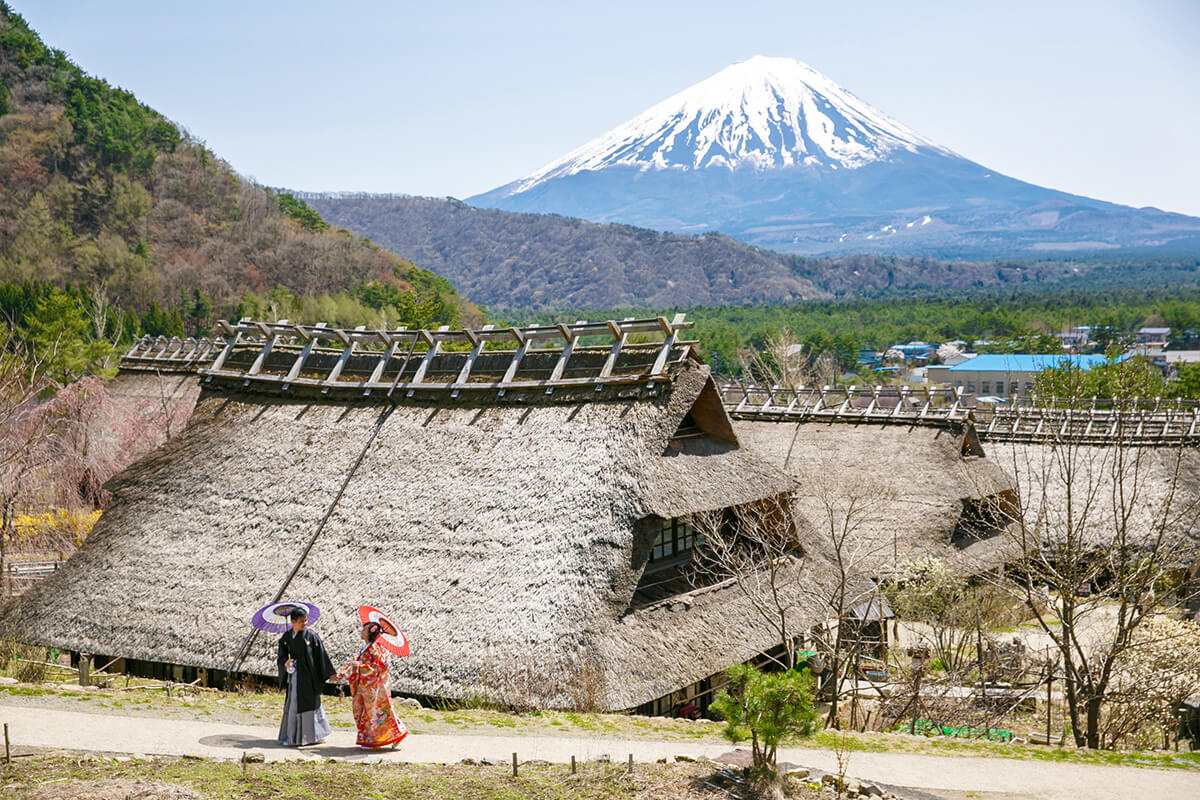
<point>103,193</point>
<point>548,262</point>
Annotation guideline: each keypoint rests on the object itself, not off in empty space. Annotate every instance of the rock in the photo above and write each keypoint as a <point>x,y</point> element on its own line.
<point>834,781</point>
<point>7,681</point>
<point>684,757</point>
<point>799,772</point>
<point>605,758</point>
<point>254,757</point>
<point>468,762</point>
<point>409,704</point>
<point>192,757</point>
<point>662,760</point>
<point>871,790</point>
<point>487,762</point>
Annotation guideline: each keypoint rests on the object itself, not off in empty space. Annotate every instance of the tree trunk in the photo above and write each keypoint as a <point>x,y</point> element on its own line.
<point>1093,722</point>
<point>1072,693</point>
<point>835,669</point>
<point>5,514</point>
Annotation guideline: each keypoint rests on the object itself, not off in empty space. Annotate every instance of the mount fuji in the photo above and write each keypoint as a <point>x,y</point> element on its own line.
<point>774,153</point>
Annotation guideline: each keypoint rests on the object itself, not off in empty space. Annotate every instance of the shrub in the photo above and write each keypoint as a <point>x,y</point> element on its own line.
<point>766,708</point>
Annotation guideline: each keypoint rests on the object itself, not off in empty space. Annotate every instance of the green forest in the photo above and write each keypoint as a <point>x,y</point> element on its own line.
<point>112,213</point>
<point>999,320</point>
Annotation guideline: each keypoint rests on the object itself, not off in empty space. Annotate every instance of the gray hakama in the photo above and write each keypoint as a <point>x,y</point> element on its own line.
<point>301,728</point>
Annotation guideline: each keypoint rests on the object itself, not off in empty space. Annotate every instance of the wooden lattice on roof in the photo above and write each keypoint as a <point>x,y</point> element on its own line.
<point>1140,421</point>
<point>174,354</point>
<point>285,357</point>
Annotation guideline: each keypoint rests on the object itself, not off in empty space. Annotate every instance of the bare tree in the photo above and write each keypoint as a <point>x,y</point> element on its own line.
<point>782,361</point>
<point>840,508</point>
<point>59,444</point>
<point>755,546</point>
<point>1103,535</point>
<point>759,548</point>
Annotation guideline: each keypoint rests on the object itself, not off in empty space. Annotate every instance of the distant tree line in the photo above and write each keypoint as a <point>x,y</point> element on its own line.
<point>996,320</point>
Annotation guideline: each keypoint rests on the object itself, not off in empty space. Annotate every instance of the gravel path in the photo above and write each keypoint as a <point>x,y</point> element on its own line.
<point>999,778</point>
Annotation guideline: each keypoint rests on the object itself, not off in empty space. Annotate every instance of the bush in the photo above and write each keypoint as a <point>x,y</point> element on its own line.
<point>766,708</point>
<point>22,661</point>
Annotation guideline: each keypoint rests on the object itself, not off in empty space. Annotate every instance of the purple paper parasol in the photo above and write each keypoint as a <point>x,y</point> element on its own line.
<point>276,618</point>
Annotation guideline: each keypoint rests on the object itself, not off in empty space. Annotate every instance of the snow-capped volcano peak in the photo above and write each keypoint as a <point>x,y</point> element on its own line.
<point>764,112</point>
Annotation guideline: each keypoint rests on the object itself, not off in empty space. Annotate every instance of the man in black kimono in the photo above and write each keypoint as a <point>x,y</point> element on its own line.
<point>304,666</point>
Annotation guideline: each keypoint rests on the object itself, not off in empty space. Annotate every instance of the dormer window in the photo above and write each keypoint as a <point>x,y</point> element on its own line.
<point>675,538</point>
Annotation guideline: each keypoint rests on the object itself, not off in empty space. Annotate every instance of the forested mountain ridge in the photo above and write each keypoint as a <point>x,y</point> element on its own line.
<point>101,191</point>
<point>544,261</point>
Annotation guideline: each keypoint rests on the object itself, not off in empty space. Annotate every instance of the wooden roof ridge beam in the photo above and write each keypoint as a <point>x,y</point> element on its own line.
<point>579,329</point>
<point>560,366</point>
<point>298,365</point>
<point>464,374</point>
<point>272,338</point>
<point>435,347</point>
<point>342,361</point>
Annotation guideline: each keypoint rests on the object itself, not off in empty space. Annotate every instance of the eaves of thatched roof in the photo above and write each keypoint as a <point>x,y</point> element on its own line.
<point>1155,490</point>
<point>494,531</point>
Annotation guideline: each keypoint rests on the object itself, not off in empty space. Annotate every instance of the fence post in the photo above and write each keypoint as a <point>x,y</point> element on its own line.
<point>1049,699</point>
<point>514,765</point>
<point>85,669</point>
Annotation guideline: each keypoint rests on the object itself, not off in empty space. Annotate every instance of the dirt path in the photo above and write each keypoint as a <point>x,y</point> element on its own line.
<point>997,778</point>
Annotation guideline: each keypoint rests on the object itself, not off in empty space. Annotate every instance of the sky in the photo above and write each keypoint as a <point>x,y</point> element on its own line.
<point>455,98</point>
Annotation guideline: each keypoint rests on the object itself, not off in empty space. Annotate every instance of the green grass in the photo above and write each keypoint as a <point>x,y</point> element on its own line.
<point>221,780</point>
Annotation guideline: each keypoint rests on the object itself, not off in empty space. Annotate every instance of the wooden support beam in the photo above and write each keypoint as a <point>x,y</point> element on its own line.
<point>331,380</point>
<point>464,374</point>
<point>672,335</point>
<point>435,347</point>
<point>510,374</point>
<point>619,338</point>
<point>560,366</point>
<point>271,339</point>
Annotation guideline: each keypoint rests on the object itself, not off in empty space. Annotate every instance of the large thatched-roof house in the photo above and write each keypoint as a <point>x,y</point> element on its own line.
<point>924,475</point>
<point>905,490</point>
<point>518,511</point>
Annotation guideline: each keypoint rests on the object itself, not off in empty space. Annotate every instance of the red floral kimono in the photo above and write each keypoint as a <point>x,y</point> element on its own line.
<point>368,677</point>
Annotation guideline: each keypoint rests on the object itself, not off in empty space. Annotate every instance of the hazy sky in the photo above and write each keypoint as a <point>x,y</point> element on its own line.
<point>455,98</point>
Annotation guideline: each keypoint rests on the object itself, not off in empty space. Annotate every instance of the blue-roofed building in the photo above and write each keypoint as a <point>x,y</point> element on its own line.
<point>1005,374</point>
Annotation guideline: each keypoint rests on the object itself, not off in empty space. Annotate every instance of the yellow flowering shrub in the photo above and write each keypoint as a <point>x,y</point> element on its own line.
<point>58,525</point>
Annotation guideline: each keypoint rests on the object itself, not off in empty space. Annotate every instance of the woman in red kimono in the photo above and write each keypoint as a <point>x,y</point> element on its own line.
<point>368,677</point>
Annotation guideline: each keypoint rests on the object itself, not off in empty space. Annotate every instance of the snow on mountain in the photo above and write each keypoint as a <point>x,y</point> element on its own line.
<point>764,112</point>
<point>774,153</point>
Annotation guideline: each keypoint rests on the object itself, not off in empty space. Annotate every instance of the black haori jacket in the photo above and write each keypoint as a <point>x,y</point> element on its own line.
<point>313,667</point>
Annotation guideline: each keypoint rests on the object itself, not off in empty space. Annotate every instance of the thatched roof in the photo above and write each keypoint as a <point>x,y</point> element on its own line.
<point>494,530</point>
<point>912,482</point>
<point>1159,487</point>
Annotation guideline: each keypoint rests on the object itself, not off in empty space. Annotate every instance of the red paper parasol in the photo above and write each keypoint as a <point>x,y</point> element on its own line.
<point>392,638</point>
